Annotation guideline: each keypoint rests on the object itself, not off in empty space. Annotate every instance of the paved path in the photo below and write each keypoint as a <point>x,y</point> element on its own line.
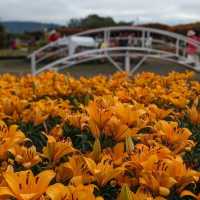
<point>22,67</point>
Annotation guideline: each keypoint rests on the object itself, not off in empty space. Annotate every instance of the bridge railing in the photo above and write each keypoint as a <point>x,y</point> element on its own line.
<point>110,53</point>
<point>171,43</point>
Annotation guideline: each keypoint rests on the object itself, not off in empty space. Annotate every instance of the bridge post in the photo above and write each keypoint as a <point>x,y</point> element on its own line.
<point>104,36</point>
<point>107,36</point>
<point>33,64</point>
<point>177,47</point>
<point>143,38</point>
<point>72,47</point>
<point>139,64</point>
<point>197,67</point>
<point>127,62</point>
<point>148,34</point>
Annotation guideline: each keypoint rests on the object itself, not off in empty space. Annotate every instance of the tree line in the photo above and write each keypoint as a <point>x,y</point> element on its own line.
<point>95,21</point>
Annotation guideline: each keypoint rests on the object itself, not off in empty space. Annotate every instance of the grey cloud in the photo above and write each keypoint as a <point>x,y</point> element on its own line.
<point>62,10</point>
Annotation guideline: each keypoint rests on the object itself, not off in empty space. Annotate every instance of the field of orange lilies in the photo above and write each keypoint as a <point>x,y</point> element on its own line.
<point>117,137</point>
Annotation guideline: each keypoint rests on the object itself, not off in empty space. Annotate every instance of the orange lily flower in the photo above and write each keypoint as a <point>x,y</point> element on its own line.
<point>9,136</point>
<point>117,153</point>
<point>176,138</point>
<point>183,175</point>
<point>157,113</point>
<point>127,194</point>
<point>25,186</point>
<point>28,157</point>
<point>104,171</point>
<point>145,157</point>
<point>54,151</point>
<point>128,114</point>
<point>119,131</point>
<point>78,120</point>
<point>75,170</point>
<point>80,192</point>
<point>98,117</point>
<point>194,114</point>
<point>159,183</point>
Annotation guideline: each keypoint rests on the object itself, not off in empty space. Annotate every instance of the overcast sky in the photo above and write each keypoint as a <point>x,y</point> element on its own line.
<point>60,11</point>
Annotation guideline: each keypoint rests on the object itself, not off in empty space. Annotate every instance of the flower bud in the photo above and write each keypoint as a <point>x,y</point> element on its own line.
<point>129,145</point>
<point>125,193</point>
<point>164,191</point>
<point>96,150</point>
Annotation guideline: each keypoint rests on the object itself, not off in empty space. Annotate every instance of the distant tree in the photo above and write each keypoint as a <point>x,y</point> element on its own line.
<point>157,26</point>
<point>92,21</point>
<point>3,36</point>
<point>74,23</point>
<point>122,23</point>
<point>95,21</point>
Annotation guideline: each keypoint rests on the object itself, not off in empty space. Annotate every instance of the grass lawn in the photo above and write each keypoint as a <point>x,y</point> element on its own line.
<point>14,53</point>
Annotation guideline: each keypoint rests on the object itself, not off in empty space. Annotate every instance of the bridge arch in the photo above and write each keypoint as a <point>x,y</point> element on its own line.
<point>148,43</point>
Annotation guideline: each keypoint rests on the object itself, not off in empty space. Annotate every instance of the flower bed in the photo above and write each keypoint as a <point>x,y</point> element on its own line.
<point>118,137</point>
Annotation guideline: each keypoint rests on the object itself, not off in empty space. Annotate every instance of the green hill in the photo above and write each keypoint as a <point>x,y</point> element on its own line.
<point>21,27</point>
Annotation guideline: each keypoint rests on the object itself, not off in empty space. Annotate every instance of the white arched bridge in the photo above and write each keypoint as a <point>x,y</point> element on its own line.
<point>118,45</point>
